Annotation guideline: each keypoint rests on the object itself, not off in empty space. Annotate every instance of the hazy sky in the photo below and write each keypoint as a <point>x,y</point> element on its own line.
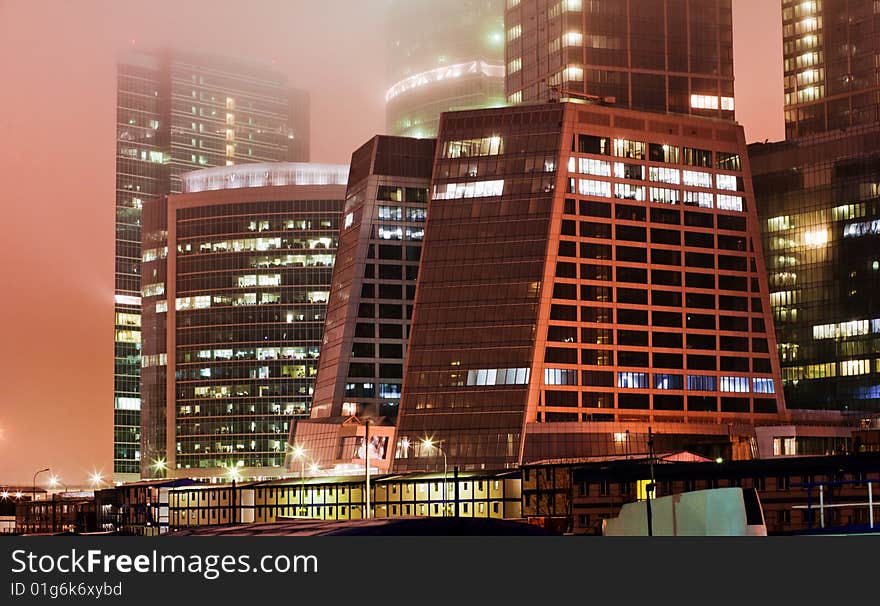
<point>57,163</point>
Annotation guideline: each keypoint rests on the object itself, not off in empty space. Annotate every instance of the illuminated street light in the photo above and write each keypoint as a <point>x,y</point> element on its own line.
<point>96,479</point>
<point>160,466</point>
<point>4,495</point>
<point>298,452</point>
<point>429,443</point>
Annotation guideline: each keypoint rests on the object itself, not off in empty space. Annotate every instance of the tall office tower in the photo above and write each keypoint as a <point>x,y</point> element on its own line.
<point>831,50</point>
<point>587,273</point>
<point>819,205</point>
<point>360,372</point>
<point>652,55</point>
<point>247,277</point>
<point>443,56</point>
<point>818,199</point>
<point>177,112</point>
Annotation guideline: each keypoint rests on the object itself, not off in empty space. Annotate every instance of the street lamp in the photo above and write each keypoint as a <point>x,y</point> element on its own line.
<point>234,475</point>
<point>429,443</point>
<point>299,452</point>
<point>160,466</point>
<point>96,479</point>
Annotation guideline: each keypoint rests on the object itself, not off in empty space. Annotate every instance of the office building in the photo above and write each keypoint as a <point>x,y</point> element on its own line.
<point>819,206</point>
<point>818,197</point>
<point>250,254</point>
<point>652,55</point>
<point>443,56</point>
<point>360,373</point>
<point>830,51</point>
<point>587,272</point>
<point>178,112</point>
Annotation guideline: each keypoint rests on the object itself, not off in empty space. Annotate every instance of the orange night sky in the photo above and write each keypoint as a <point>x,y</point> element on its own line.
<point>57,163</point>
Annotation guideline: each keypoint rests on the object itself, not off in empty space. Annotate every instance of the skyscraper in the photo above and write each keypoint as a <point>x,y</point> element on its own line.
<point>587,272</point>
<point>251,251</point>
<point>360,373</point>
<point>818,198</point>
<point>653,55</point>
<point>177,112</point>
<point>830,51</point>
<point>443,56</point>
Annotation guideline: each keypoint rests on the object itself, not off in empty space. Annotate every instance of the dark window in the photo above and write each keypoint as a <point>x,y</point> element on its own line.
<point>663,215</point>
<point>595,209</point>
<point>391,312</point>
<point>569,228</point>
<point>596,272</point>
<point>389,252</point>
<point>701,321</point>
<point>666,318</point>
<point>568,249</point>
<point>733,303</point>
<point>632,296</point>
<point>665,236</point>
<point>390,331</point>
<point>700,301</point>
<point>566,270</point>
<point>699,239</point>
<point>389,272</point>
<point>733,323</point>
<point>666,360</point>
<point>665,278</point>
<point>736,283</point>
<point>632,358</point>
<point>566,313</point>
<point>368,291</point>
<point>734,343</point>
<point>698,219</point>
<point>731,223</point>
<point>666,298</point>
<point>595,378</point>
<point>738,364</point>
<point>630,213</point>
<point>390,371</point>
<point>732,263</point>
<point>761,365</point>
<point>596,314</point>
<point>633,338</point>
<point>390,351</point>
<point>734,405</point>
<point>363,350</point>
<point>732,243</point>
<point>366,310</point>
<point>597,400</point>
<point>590,229</point>
<point>666,257</point>
<point>364,331</point>
<point>561,398</point>
<point>664,402</point>
<point>633,401</point>
<point>559,355</point>
<point>595,251</point>
<point>693,259</point>
<point>669,340</point>
<point>696,362</point>
<point>589,144</point>
<point>390,291</point>
<point>631,233</point>
<point>698,341</point>
<point>632,317</point>
<point>596,293</point>
<point>565,291</point>
<point>629,254</point>
<point>632,275</point>
<point>562,334</point>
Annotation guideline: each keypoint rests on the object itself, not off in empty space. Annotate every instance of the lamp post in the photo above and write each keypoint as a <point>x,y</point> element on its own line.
<point>233,473</point>
<point>429,443</point>
<point>299,452</point>
<point>34,495</point>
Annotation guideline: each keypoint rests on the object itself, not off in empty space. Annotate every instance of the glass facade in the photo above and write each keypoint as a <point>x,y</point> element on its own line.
<point>177,112</point>
<point>249,274</point>
<point>443,56</point>
<point>588,270</point>
<point>653,55</point>
<point>832,71</point>
<point>820,212</point>
<point>374,283</point>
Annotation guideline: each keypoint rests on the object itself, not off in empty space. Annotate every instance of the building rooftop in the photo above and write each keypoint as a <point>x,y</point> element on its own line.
<point>274,174</point>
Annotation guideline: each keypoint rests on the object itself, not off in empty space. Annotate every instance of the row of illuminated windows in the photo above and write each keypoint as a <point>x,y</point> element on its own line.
<point>674,176</point>
<point>128,336</point>
<point>257,244</point>
<point>469,148</point>
<point>299,371</point>
<point>124,319</point>
<point>154,360</point>
<point>830,370</point>
<point>640,380</point>
<point>399,233</point>
<point>301,224</point>
<point>474,189</point>
<point>656,152</point>
<point>392,193</point>
<point>602,189</point>
<point>259,353</point>
<point>245,390</point>
<point>839,330</point>
<point>398,213</point>
<point>154,253</point>
<point>153,290</point>
<point>501,376</point>
<point>314,297</point>
<point>310,260</point>
<point>240,409</point>
<point>390,391</point>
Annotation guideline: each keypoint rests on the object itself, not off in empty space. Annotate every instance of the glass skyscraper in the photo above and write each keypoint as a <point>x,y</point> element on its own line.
<point>587,273</point>
<point>177,112</point>
<point>830,53</point>
<point>443,56</point>
<point>818,197</point>
<point>653,55</point>
<point>251,251</point>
